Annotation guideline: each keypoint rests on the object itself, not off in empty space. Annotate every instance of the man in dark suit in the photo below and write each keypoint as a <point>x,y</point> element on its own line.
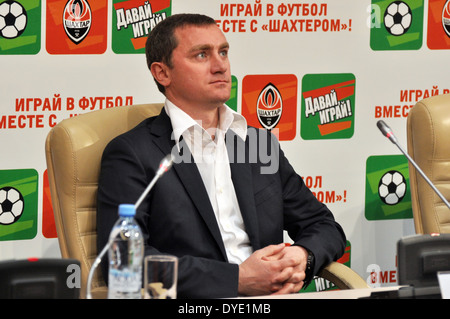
<point>223,207</point>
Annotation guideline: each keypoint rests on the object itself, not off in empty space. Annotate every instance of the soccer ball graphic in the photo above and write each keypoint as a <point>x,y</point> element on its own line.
<point>11,205</point>
<point>397,18</point>
<point>13,19</point>
<point>392,187</point>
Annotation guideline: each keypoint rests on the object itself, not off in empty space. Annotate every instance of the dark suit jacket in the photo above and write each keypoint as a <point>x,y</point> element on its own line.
<point>177,217</point>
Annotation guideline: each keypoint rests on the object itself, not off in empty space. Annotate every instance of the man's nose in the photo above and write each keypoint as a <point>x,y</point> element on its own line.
<point>219,63</point>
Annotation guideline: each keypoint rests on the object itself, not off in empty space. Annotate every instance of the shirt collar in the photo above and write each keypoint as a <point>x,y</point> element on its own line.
<point>182,122</point>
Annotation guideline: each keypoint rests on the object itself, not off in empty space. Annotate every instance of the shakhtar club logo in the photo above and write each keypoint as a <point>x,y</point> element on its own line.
<point>77,18</point>
<point>269,106</point>
<point>446,17</point>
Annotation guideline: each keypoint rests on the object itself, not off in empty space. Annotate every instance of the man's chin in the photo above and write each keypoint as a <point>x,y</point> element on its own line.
<point>221,99</point>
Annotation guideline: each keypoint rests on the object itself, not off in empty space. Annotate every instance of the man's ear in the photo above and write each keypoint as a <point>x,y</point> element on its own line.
<point>160,72</point>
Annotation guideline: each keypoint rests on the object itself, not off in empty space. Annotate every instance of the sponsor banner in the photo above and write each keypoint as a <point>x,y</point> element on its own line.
<point>438,36</point>
<point>270,101</point>
<point>18,204</point>
<point>387,188</point>
<point>20,27</point>
<point>328,106</point>
<point>133,20</point>
<point>295,66</point>
<point>76,26</point>
<point>396,25</point>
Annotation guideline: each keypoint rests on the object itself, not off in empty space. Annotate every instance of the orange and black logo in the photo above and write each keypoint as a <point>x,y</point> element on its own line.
<point>77,18</point>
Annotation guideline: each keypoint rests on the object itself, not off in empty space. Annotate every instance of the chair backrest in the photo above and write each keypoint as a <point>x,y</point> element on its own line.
<point>73,149</point>
<point>428,135</point>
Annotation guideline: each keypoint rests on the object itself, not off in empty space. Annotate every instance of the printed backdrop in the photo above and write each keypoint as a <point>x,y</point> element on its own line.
<point>319,74</point>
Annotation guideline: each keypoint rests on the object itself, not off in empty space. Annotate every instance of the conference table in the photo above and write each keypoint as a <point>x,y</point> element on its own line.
<point>381,292</point>
<point>389,292</point>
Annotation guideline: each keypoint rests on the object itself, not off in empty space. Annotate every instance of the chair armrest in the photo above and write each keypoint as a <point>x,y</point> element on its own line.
<point>342,276</point>
<point>100,292</point>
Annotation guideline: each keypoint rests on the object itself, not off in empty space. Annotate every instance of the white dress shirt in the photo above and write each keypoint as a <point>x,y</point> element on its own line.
<point>211,156</point>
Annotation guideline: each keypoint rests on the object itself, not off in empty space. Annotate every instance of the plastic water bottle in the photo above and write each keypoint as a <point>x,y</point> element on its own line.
<point>125,256</point>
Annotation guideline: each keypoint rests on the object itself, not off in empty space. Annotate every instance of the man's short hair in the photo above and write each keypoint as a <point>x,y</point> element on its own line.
<point>161,40</point>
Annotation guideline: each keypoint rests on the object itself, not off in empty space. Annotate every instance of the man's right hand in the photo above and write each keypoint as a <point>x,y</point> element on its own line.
<point>266,271</point>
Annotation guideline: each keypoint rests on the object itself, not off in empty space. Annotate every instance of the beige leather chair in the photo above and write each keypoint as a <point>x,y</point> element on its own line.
<point>73,151</point>
<point>428,135</point>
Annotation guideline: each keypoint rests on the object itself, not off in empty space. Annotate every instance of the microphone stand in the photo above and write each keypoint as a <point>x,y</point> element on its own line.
<point>94,266</point>
<point>390,135</point>
<point>164,166</point>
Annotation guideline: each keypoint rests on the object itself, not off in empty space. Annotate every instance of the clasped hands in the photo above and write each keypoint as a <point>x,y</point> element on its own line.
<point>275,269</point>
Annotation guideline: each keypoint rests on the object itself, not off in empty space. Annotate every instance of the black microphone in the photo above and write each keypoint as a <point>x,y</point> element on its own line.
<point>386,130</point>
<point>165,164</point>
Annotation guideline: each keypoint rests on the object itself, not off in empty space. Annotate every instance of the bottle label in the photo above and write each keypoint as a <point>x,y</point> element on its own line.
<point>124,280</point>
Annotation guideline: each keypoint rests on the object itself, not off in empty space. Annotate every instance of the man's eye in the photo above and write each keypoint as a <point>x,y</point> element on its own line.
<point>202,55</point>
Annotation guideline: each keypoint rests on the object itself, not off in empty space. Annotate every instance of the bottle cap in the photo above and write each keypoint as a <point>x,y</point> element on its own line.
<point>127,210</point>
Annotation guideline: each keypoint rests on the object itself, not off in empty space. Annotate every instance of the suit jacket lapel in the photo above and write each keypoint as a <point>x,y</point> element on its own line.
<point>188,174</point>
<point>241,174</point>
